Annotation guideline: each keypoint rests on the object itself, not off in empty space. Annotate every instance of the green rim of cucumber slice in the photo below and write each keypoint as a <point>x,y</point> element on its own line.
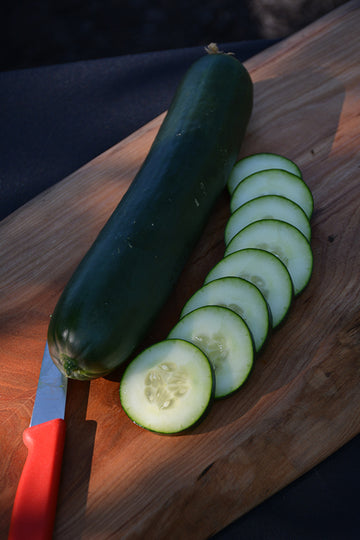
<point>267,207</point>
<point>264,270</point>
<point>282,240</point>
<point>225,339</point>
<point>259,162</point>
<point>168,387</point>
<point>273,182</point>
<point>242,297</point>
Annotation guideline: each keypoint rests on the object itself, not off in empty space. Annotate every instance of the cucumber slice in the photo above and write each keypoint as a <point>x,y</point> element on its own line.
<point>273,182</point>
<point>240,296</point>
<point>259,162</point>
<point>168,387</point>
<point>225,339</point>
<point>263,269</point>
<point>267,207</point>
<point>284,241</point>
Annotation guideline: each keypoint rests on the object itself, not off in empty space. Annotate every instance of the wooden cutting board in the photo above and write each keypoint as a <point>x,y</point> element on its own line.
<point>302,402</point>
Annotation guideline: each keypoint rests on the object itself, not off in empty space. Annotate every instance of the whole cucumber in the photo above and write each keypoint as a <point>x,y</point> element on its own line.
<point>126,276</point>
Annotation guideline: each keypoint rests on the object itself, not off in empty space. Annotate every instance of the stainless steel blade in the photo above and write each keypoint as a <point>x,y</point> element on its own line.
<point>50,397</point>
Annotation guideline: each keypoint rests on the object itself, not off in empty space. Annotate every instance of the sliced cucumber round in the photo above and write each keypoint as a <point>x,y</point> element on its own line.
<point>264,270</point>
<point>168,387</point>
<point>267,207</point>
<point>273,182</point>
<point>225,339</point>
<point>240,296</point>
<point>259,162</point>
<point>284,241</point>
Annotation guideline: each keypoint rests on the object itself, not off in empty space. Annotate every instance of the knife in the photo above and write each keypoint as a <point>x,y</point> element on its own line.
<point>34,509</point>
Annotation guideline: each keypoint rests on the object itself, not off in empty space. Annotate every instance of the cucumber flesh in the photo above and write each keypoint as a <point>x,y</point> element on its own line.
<point>284,241</point>
<point>264,270</point>
<point>267,207</point>
<point>225,339</point>
<point>240,296</point>
<point>273,182</point>
<point>259,162</point>
<point>168,387</point>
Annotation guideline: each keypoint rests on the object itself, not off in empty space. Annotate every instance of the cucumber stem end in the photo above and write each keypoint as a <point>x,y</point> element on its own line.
<point>213,48</point>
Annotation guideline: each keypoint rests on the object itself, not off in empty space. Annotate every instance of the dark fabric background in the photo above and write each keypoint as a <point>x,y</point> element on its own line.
<point>42,32</point>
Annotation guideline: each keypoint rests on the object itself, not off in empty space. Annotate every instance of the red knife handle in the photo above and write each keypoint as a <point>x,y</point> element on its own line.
<point>34,507</point>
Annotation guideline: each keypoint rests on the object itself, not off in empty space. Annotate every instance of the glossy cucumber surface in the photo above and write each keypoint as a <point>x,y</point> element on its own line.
<point>128,273</point>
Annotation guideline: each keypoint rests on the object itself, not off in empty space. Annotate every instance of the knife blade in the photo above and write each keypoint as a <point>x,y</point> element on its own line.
<point>34,508</point>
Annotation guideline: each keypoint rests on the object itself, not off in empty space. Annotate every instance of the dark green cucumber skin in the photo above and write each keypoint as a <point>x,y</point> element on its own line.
<point>126,276</point>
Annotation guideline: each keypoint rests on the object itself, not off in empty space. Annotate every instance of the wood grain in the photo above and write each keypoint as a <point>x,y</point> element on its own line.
<point>302,401</point>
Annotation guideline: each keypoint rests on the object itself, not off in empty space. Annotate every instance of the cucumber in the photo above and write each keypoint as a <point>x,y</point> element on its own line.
<point>226,341</point>
<point>168,388</point>
<point>259,162</point>
<point>273,182</point>
<point>264,270</point>
<point>268,259</point>
<point>284,241</point>
<point>267,207</point>
<point>240,296</point>
<point>128,273</point>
